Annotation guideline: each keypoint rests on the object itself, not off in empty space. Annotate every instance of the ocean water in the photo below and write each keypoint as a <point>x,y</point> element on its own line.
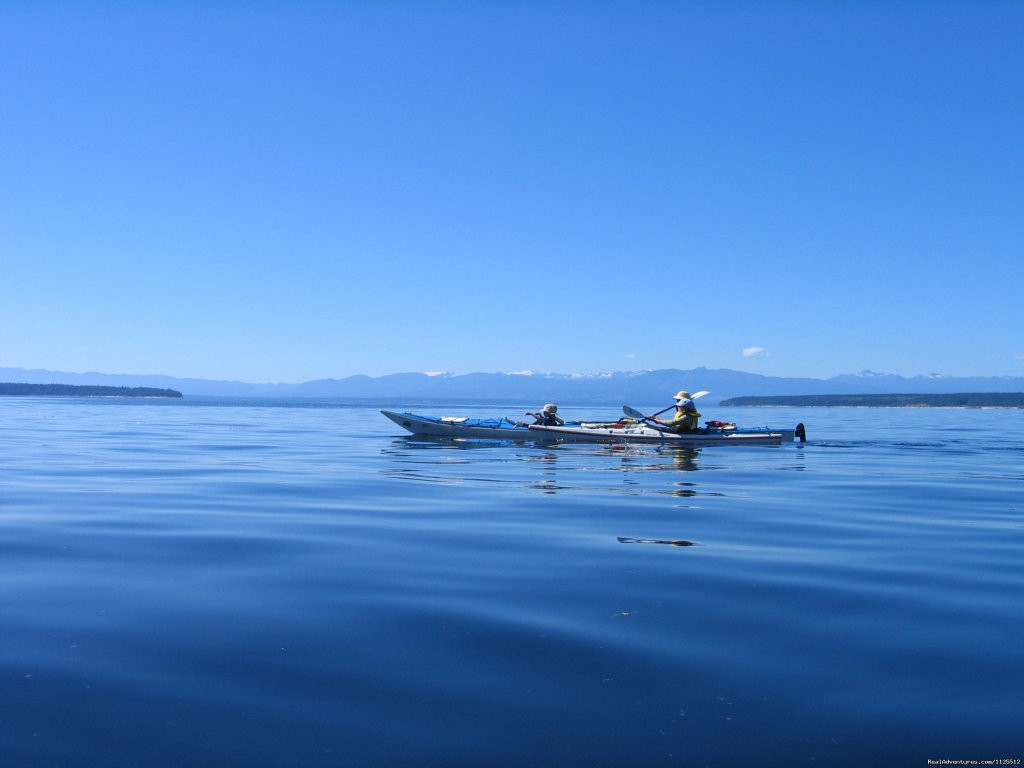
<point>244,583</point>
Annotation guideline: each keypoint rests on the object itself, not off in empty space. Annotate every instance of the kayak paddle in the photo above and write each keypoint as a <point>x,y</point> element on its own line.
<point>633,413</point>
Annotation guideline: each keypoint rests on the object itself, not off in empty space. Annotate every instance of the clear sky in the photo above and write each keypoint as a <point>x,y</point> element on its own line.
<point>286,191</point>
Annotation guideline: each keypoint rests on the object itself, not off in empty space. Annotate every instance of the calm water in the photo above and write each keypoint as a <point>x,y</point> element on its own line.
<point>201,584</point>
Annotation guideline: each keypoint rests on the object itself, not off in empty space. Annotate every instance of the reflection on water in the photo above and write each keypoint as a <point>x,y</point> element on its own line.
<point>439,441</point>
<point>670,542</point>
<point>546,467</point>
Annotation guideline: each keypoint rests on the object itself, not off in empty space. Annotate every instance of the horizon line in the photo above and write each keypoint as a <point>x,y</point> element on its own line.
<point>865,373</point>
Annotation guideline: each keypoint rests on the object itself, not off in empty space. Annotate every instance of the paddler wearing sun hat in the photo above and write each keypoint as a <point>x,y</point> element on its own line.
<point>686,416</point>
<point>548,416</point>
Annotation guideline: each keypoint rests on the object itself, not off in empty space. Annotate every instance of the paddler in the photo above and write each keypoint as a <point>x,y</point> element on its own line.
<point>686,416</point>
<point>547,416</point>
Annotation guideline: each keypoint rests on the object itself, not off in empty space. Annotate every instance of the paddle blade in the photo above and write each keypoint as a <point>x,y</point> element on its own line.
<point>633,413</point>
<point>703,392</point>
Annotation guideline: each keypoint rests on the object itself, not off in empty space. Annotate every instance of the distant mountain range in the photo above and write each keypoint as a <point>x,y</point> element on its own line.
<point>643,387</point>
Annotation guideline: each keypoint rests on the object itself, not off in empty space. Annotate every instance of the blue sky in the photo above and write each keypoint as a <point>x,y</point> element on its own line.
<point>286,191</point>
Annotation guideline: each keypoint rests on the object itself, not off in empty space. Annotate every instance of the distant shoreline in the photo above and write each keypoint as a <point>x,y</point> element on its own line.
<point>961,400</point>
<point>82,390</point>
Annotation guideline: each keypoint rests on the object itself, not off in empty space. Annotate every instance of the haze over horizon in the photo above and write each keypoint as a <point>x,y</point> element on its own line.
<point>286,192</point>
<point>867,375</point>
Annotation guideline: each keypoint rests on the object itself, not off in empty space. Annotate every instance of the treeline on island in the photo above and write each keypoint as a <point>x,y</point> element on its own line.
<point>77,390</point>
<point>963,400</point>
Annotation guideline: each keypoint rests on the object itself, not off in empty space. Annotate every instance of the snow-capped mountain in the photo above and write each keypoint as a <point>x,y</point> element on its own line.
<point>531,387</point>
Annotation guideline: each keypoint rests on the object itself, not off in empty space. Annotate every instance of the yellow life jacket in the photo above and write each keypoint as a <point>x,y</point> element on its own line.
<point>687,421</point>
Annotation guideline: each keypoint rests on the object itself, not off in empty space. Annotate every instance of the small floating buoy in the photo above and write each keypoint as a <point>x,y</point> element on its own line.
<point>801,433</point>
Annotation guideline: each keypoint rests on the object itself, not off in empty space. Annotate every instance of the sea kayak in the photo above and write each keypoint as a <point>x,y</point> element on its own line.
<point>638,433</point>
<point>462,426</point>
<point>625,430</point>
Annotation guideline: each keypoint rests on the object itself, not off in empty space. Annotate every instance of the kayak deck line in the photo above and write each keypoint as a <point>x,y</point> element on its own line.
<point>644,434</point>
<point>462,426</point>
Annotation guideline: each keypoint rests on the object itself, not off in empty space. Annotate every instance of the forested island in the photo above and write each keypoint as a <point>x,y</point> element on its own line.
<point>76,390</point>
<point>963,400</point>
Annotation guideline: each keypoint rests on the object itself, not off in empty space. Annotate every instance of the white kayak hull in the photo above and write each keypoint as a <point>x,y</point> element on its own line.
<point>644,434</point>
<point>441,426</point>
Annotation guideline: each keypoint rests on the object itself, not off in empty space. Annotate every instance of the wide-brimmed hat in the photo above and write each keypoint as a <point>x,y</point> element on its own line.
<point>550,408</point>
<point>682,394</point>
